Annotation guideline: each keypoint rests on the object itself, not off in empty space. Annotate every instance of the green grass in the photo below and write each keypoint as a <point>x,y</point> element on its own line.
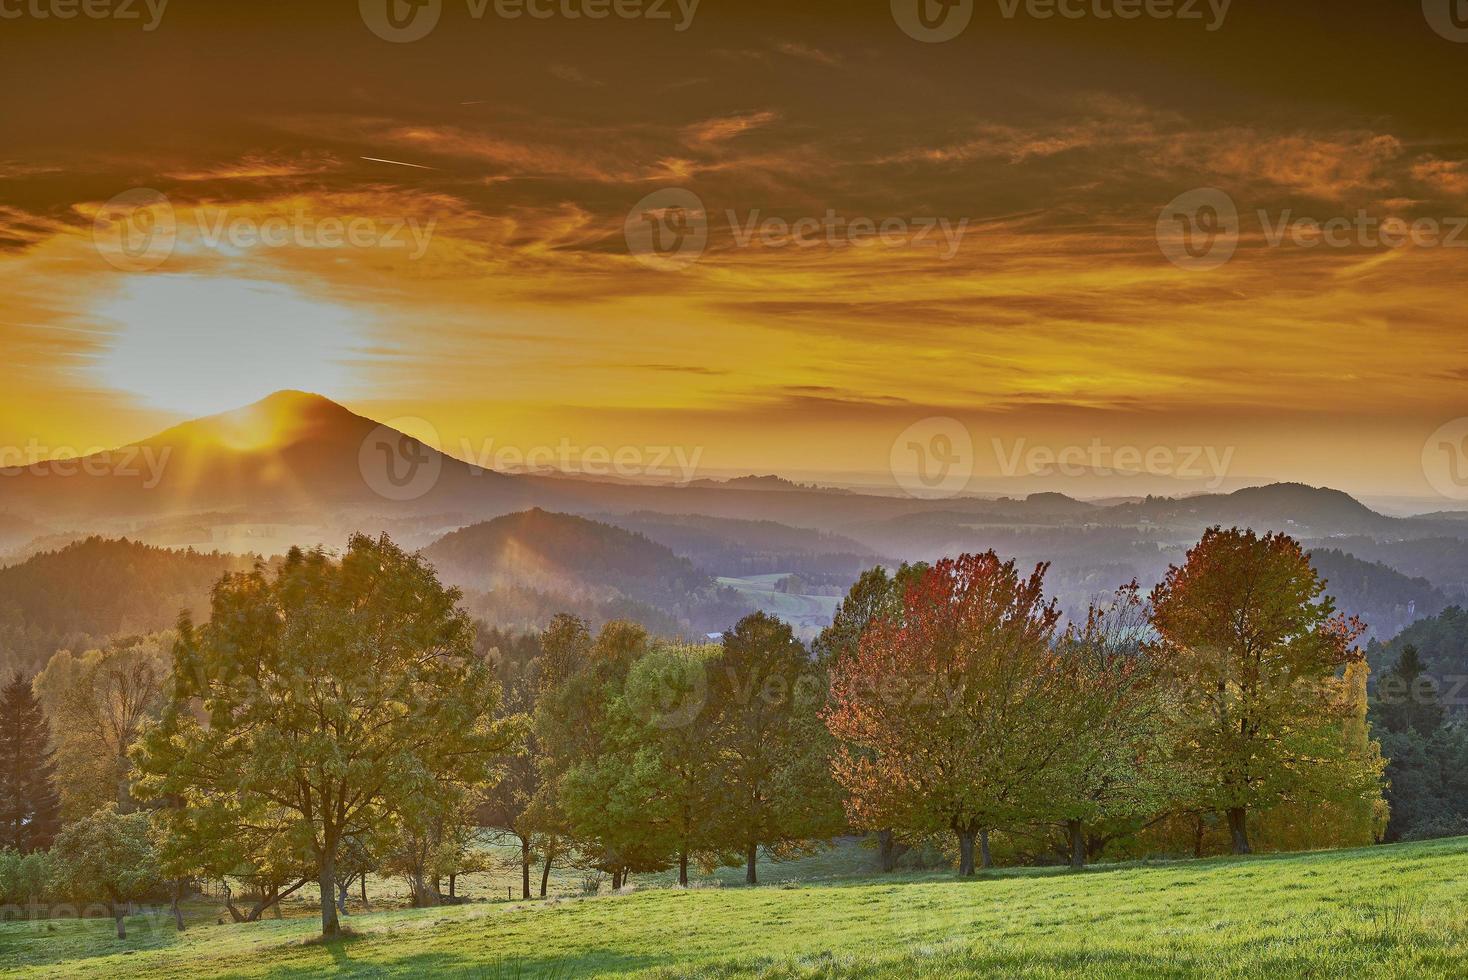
<point>808,613</point>
<point>1384,912</point>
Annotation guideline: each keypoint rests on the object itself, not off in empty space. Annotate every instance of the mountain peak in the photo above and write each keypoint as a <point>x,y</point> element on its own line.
<point>277,420</point>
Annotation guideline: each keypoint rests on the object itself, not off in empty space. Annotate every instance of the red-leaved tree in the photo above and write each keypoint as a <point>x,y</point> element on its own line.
<point>947,716</point>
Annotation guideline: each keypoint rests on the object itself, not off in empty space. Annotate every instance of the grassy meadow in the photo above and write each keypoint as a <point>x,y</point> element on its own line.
<point>1395,911</point>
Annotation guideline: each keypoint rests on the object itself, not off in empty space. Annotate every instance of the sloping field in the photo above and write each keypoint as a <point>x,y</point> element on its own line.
<point>1399,911</point>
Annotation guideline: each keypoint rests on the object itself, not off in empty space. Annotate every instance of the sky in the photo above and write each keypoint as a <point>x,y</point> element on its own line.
<point>531,230</point>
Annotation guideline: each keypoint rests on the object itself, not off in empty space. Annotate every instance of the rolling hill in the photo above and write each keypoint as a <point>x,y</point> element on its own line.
<point>90,590</point>
<point>588,566</point>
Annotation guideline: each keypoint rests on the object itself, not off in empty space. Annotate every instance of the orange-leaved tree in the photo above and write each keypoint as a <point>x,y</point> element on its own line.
<point>1255,654</point>
<point>947,715</point>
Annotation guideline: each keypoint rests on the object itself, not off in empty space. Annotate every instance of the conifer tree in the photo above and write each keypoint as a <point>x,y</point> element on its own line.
<point>29,808</point>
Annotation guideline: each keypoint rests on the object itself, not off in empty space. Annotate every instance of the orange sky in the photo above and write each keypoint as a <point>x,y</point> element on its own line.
<point>491,293</point>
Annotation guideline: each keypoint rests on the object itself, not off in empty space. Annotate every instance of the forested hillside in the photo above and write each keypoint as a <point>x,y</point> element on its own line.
<point>1384,598</point>
<point>519,569</point>
<point>92,589</point>
<point>1441,641</point>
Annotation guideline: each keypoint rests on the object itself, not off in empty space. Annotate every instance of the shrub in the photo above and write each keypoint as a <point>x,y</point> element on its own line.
<point>23,877</point>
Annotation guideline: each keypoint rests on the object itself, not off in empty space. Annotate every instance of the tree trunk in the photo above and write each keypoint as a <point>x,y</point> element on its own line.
<point>887,850</point>
<point>267,901</point>
<point>178,919</point>
<point>342,889</point>
<point>965,852</point>
<point>119,914</point>
<point>365,906</point>
<point>545,873</point>
<point>1077,843</point>
<point>683,868</point>
<point>616,880</point>
<point>330,925</point>
<point>453,878</point>
<point>525,866</point>
<point>984,849</point>
<point>1238,829</point>
<point>751,858</point>
<point>1198,836</point>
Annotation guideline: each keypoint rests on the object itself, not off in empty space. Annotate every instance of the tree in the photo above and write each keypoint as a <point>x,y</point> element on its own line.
<point>1253,650</point>
<point>874,597</point>
<point>1112,771</point>
<point>107,854</point>
<point>507,807</point>
<point>566,649</point>
<point>250,843</point>
<point>951,709</point>
<point>765,693</point>
<point>1336,819</point>
<point>572,728</point>
<point>429,843</point>
<point>1407,697</point>
<point>29,809</point>
<point>340,694</point>
<point>99,704</point>
<point>668,782</point>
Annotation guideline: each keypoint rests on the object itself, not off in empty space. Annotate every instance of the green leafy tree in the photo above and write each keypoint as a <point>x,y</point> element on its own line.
<point>24,878</point>
<point>671,778</point>
<point>507,806</point>
<point>573,727</point>
<point>340,695</point>
<point>29,808</point>
<point>566,650</point>
<point>99,703</point>
<point>429,843</point>
<point>108,855</point>
<point>766,693</point>
<point>1112,773</point>
<point>1255,653</point>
